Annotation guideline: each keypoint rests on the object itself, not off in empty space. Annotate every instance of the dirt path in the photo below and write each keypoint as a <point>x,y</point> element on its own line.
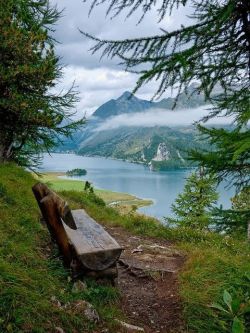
<point>148,272</point>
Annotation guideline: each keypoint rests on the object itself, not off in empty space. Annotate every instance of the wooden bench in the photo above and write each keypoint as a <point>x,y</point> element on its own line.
<point>86,247</point>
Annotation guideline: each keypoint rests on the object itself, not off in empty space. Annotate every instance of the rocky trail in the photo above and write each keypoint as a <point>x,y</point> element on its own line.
<point>148,283</point>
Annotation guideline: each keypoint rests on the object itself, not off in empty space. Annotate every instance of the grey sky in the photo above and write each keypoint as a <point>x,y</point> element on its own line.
<point>98,81</point>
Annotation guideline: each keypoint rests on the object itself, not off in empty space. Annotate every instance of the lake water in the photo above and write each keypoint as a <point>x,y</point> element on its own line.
<point>136,179</point>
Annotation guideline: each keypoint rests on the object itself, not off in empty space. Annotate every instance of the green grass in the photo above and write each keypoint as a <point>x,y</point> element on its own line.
<point>31,272</point>
<point>211,268</point>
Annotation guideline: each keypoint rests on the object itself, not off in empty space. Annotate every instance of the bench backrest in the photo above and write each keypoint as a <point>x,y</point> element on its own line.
<point>55,210</point>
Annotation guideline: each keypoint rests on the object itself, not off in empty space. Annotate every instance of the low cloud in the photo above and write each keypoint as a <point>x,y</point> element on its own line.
<point>161,117</point>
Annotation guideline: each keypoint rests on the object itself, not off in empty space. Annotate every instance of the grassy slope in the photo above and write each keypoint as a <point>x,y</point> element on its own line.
<point>30,272</point>
<point>29,277</point>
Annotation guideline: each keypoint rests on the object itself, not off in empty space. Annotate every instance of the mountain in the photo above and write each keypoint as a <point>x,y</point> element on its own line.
<point>126,103</point>
<point>159,147</point>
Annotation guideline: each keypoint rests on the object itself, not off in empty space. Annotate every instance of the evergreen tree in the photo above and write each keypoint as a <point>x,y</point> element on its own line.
<point>230,156</point>
<point>236,219</point>
<point>241,204</point>
<point>192,208</point>
<point>214,50</point>
<point>32,116</point>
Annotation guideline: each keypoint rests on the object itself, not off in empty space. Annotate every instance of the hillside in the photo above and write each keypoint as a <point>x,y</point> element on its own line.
<point>34,285</point>
<point>38,296</point>
<point>158,147</point>
<point>109,133</point>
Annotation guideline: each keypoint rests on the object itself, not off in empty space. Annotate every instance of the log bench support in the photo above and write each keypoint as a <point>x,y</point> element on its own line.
<point>84,244</point>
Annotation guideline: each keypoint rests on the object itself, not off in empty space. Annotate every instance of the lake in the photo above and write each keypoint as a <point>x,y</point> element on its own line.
<point>136,179</point>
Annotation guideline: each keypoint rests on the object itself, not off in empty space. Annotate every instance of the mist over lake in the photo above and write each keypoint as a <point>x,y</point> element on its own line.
<point>136,179</point>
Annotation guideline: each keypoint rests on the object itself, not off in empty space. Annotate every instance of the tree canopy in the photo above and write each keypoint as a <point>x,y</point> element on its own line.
<point>33,115</point>
<point>213,50</point>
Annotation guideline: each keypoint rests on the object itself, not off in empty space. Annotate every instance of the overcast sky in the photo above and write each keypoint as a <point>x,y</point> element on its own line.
<point>98,81</point>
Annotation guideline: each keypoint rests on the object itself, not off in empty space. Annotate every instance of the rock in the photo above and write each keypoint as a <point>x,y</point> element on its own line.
<point>59,330</point>
<point>130,328</point>
<point>91,314</point>
<point>162,153</point>
<point>55,301</point>
<point>138,249</point>
<point>79,286</point>
<point>86,309</point>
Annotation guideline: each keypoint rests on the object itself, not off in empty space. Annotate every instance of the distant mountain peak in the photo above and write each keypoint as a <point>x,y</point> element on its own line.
<point>129,103</point>
<point>126,95</point>
<point>126,103</point>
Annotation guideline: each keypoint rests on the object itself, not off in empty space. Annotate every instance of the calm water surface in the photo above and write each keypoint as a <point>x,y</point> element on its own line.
<point>136,179</point>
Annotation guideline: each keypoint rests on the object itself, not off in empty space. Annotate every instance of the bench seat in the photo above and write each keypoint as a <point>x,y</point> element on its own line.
<point>95,248</point>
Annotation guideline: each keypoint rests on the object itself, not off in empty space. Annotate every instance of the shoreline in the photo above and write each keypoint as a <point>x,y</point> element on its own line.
<point>124,202</point>
<point>145,164</point>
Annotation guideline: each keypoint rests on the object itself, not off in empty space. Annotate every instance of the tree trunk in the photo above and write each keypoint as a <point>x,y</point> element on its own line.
<point>1,153</point>
<point>248,231</point>
<point>6,151</point>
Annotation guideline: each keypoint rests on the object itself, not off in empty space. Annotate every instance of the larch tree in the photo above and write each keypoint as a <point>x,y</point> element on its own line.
<point>213,50</point>
<point>33,117</point>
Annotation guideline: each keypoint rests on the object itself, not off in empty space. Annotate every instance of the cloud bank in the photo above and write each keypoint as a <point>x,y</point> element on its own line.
<point>161,117</point>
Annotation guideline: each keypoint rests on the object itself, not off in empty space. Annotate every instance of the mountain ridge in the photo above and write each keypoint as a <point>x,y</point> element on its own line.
<point>158,147</point>
<point>129,103</point>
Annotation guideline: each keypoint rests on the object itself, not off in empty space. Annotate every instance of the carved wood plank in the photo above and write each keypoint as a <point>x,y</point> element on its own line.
<point>95,237</point>
<point>96,249</point>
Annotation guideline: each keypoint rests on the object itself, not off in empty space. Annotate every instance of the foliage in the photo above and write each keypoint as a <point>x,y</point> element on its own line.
<point>214,50</point>
<point>89,189</point>
<point>230,220</point>
<point>230,156</point>
<point>242,200</point>
<point>76,172</point>
<point>210,269</point>
<point>170,164</point>
<point>237,218</point>
<point>234,309</point>
<point>33,115</point>
<point>193,207</point>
